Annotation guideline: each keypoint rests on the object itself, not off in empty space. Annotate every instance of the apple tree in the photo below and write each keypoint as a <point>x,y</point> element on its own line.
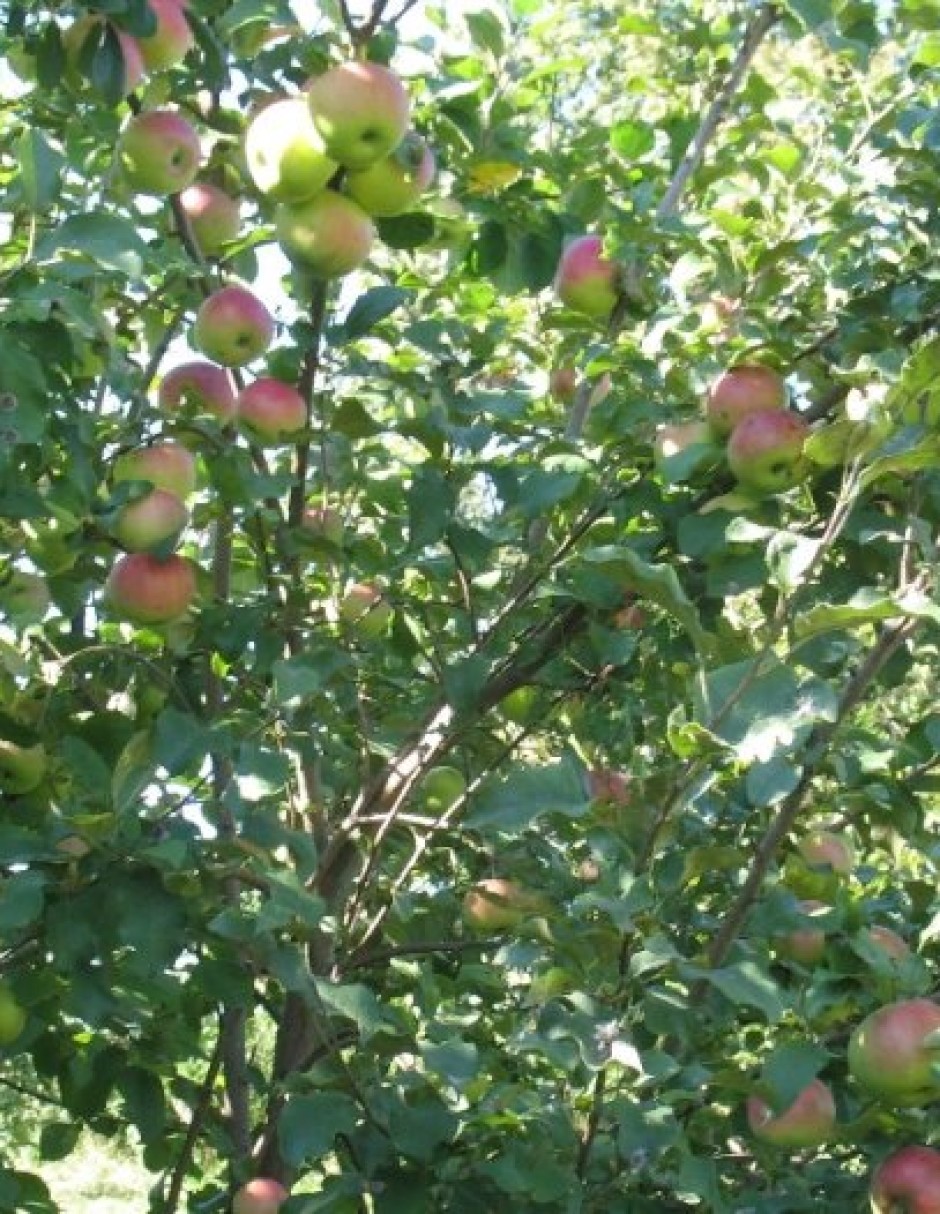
<point>468,610</point>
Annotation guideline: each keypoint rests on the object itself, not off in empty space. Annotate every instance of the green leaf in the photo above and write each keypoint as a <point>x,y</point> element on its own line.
<point>108,240</point>
<point>308,1125</point>
<point>764,716</point>
<point>789,556</point>
<point>22,896</point>
<point>788,1070</point>
<point>357,1003</point>
<point>631,139</point>
<point>486,30</point>
<point>41,167</point>
<point>406,231</point>
<point>454,1060</point>
<point>867,606</point>
<point>658,583</point>
<point>515,801</point>
<point>431,505</point>
<point>745,985</point>
<point>371,308</point>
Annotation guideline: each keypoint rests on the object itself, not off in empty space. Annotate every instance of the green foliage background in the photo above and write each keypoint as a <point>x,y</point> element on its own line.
<point>259,964</point>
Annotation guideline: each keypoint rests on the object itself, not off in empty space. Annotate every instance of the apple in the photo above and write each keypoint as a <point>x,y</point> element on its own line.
<point>394,184</point>
<point>214,217</point>
<point>270,411</point>
<point>233,327</point>
<point>361,110</point>
<point>442,788</point>
<point>563,384</point>
<point>325,523</point>
<point>519,705</point>
<point>497,903</point>
<point>605,784</point>
<point>807,1122</point>
<point>329,234</point>
<point>365,610</point>
<point>739,392</point>
<point>676,440</point>
<point>824,849</point>
<point>585,280</point>
<point>166,465</point>
<point>152,522</point>
<point>24,598</point>
<point>146,589</point>
<point>12,1017</point>
<point>894,1052</point>
<point>765,451</point>
<point>889,942</point>
<point>630,615</point>
<point>200,387</point>
<point>22,768</point>
<point>173,38</point>
<point>807,945</point>
<point>907,1182</point>
<point>259,1196</point>
<point>77,34</point>
<point>159,151</point>
<point>285,154</point>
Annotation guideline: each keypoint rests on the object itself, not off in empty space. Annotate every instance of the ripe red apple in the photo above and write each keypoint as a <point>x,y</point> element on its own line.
<point>765,451</point>
<point>159,151</point>
<point>166,465</point>
<point>233,327</point>
<point>394,184</point>
<point>907,1182</point>
<point>808,1122</point>
<point>200,387</point>
<point>75,37</point>
<point>739,392</point>
<point>270,411</point>
<point>365,609</point>
<point>12,1016</point>
<point>329,234</point>
<point>173,38</point>
<point>325,523</point>
<point>894,1052</point>
<point>605,784</point>
<point>824,849</point>
<point>807,945</point>
<point>214,217</point>
<point>587,281</point>
<point>259,1196</point>
<point>562,384</point>
<point>285,154</point>
<point>146,589</point>
<point>497,903</point>
<point>22,768</point>
<point>884,938</point>
<point>361,110</point>
<point>153,522</point>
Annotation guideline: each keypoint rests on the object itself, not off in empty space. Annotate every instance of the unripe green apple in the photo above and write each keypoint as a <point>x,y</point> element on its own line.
<point>146,589</point>
<point>271,412</point>
<point>894,1052</point>
<point>585,280</point>
<point>822,863</point>
<point>765,451</point>
<point>233,327</point>
<point>259,1196</point>
<point>394,184</point>
<point>497,903</point>
<point>12,1017</point>
<point>907,1182</point>
<point>519,705</point>
<point>325,523</point>
<point>22,768</point>
<point>364,609</point>
<point>285,154</point>
<point>166,465</point>
<point>808,1122</point>
<point>24,598</point>
<point>159,151</point>
<point>330,235</point>
<point>361,110</point>
<point>742,390</point>
<point>173,38</point>
<point>199,387</point>
<point>214,217</point>
<point>153,522</point>
<point>442,788</point>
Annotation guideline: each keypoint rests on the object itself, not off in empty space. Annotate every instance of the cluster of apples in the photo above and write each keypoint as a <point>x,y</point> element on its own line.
<point>167,45</point>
